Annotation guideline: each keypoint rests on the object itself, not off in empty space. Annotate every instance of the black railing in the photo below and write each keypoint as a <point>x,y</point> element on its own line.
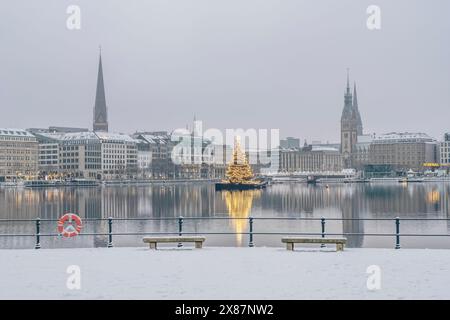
<point>251,230</point>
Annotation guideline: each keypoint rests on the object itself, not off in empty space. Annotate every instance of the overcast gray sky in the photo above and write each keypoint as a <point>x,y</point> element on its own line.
<point>234,63</point>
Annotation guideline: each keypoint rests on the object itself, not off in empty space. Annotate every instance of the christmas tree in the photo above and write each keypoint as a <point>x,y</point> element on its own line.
<point>239,171</point>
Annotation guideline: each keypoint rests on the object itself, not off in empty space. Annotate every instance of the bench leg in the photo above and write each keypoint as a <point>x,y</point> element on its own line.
<point>198,244</point>
<point>339,247</point>
<point>153,245</point>
<point>290,246</point>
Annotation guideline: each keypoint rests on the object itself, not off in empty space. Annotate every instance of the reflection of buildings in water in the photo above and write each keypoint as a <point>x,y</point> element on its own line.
<point>119,202</point>
<point>169,200</point>
<point>239,205</point>
<point>17,228</point>
<point>445,203</point>
<point>351,210</point>
<point>404,199</point>
<point>433,198</point>
<point>187,200</point>
<point>297,198</point>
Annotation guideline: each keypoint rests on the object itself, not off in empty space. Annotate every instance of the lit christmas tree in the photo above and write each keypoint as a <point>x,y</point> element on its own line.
<point>239,171</point>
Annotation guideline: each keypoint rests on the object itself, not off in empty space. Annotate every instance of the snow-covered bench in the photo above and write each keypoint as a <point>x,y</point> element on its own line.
<point>340,242</point>
<point>198,240</point>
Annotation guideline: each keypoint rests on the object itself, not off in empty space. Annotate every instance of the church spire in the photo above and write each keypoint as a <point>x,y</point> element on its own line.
<point>348,100</point>
<point>348,81</point>
<point>100,109</point>
<point>359,126</point>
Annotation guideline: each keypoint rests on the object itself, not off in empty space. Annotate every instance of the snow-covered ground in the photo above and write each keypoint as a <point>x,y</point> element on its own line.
<point>224,273</point>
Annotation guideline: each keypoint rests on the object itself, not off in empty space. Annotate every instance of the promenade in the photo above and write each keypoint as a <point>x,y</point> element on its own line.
<point>224,273</point>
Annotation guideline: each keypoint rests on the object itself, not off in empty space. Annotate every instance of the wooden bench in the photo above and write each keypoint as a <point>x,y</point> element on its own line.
<point>198,240</point>
<point>340,242</point>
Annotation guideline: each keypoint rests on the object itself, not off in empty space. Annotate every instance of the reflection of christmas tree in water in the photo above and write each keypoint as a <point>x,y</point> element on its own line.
<point>239,171</point>
<point>239,205</point>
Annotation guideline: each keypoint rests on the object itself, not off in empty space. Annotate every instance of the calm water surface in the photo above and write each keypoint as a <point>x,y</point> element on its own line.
<point>375,200</point>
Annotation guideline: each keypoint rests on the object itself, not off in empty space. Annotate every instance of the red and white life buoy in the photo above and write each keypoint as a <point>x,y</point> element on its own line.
<point>70,230</point>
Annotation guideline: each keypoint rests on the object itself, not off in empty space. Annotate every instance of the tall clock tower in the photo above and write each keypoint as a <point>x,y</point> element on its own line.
<point>351,125</point>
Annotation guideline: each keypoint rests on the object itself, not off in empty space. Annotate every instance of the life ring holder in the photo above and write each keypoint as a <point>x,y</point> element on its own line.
<point>70,230</point>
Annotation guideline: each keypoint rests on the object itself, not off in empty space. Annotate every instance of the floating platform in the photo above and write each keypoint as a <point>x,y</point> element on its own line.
<point>60,183</point>
<point>240,186</point>
<point>407,180</point>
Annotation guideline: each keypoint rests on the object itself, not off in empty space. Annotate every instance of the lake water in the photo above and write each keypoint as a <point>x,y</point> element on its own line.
<point>373,200</point>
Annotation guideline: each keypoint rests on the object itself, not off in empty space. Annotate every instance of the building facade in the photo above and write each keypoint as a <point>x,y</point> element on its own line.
<point>311,159</point>
<point>290,143</point>
<point>98,155</point>
<point>160,146</point>
<point>119,155</point>
<point>444,151</point>
<point>403,151</point>
<point>48,159</point>
<point>361,153</point>
<point>80,155</point>
<point>144,159</point>
<point>18,154</point>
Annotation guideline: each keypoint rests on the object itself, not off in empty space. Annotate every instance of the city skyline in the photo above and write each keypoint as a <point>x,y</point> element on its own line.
<point>292,78</point>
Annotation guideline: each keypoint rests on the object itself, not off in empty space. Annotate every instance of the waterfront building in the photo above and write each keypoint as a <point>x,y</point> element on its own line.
<point>351,125</point>
<point>403,151</point>
<point>144,159</point>
<point>444,151</point>
<point>98,155</point>
<point>311,159</point>
<point>200,159</point>
<point>221,155</point>
<point>160,146</point>
<point>48,159</point>
<point>119,155</point>
<point>18,154</point>
<point>80,155</point>
<point>188,155</point>
<point>290,143</point>
<point>361,153</point>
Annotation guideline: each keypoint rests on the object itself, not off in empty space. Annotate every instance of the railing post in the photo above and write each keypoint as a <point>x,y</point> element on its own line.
<point>110,232</point>
<point>250,242</point>
<point>397,233</point>
<point>322,222</point>
<point>38,234</point>
<point>180,230</point>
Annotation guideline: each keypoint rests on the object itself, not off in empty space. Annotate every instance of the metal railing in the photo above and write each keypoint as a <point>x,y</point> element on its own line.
<point>251,231</point>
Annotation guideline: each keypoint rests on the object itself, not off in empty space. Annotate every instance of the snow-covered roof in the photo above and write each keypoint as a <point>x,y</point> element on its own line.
<point>49,136</point>
<point>77,136</point>
<point>151,138</point>
<point>323,148</point>
<point>366,138</point>
<point>96,136</point>
<point>118,137</point>
<point>12,132</point>
<point>403,137</point>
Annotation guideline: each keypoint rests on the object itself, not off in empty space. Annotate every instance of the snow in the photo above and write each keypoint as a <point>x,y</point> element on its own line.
<point>224,273</point>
